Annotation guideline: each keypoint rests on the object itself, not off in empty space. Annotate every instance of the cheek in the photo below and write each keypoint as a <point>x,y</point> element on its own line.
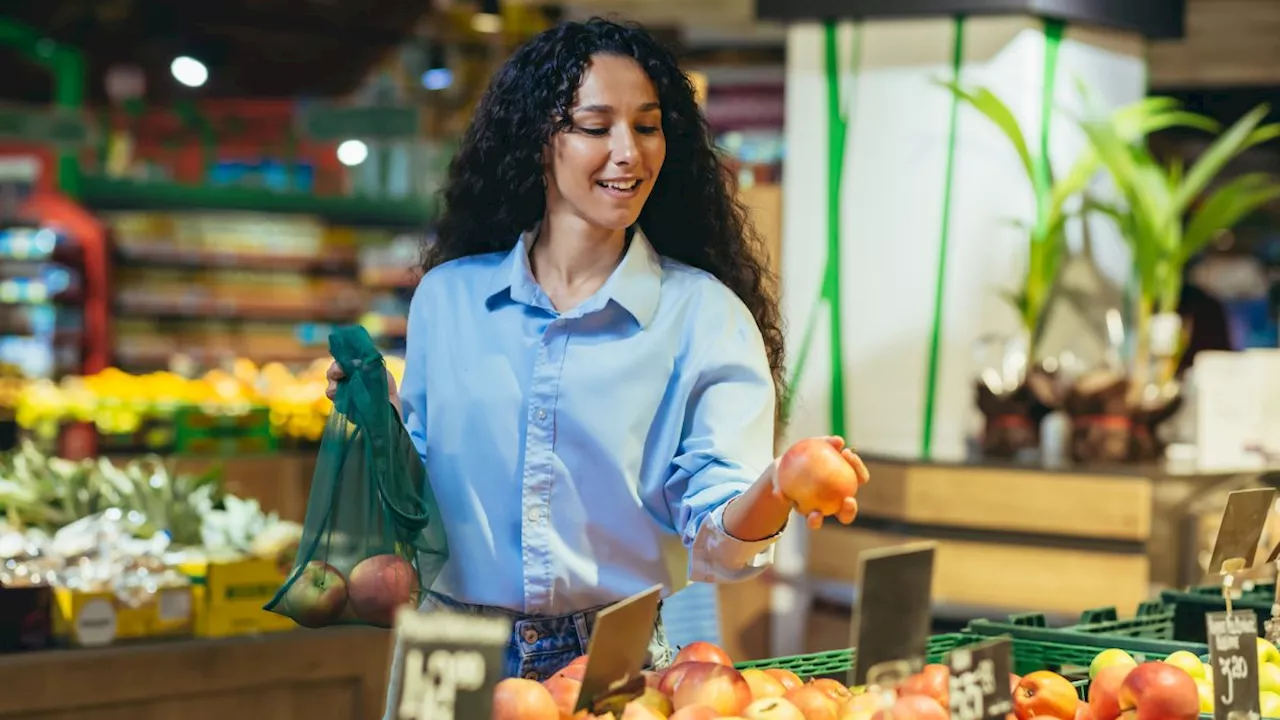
<point>576,161</point>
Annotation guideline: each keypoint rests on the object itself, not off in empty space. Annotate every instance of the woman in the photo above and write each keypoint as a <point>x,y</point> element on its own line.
<point>577,386</point>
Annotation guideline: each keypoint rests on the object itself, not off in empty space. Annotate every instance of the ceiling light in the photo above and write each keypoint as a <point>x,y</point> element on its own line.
<point>189,71</point>
<point>352,152</point>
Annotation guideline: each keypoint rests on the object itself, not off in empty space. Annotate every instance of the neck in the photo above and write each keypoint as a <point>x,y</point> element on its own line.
<point>569,253</point>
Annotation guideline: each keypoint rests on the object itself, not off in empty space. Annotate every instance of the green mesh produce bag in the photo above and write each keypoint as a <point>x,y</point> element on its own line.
<point>372,539</point>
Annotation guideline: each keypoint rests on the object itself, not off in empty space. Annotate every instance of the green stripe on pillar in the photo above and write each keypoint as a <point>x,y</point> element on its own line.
<point>939,283</point>
<point>838,118</point>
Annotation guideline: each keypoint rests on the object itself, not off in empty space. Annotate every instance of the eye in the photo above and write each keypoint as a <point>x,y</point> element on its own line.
<point>648,129</point>
<point>597,132</point>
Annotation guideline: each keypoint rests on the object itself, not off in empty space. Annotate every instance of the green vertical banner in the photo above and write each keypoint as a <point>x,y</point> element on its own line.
<point>939,283</point>
<point>838,119</point>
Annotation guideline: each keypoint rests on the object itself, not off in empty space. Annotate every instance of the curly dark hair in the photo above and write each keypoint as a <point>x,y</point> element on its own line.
<point>496,187</point>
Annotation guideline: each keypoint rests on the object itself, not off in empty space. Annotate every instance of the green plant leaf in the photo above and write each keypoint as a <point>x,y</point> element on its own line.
<point>995,110</point>
<point>1224,149</point>
<point>1225,207</point>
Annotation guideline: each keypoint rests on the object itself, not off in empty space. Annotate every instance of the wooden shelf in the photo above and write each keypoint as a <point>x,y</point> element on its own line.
<point>166,254</point>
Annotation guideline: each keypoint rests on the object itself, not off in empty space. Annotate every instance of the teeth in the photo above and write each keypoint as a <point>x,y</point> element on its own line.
<point>621,185</point>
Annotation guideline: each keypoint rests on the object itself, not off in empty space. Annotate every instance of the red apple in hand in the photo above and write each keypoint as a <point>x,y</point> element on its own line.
<point>1159,691</point>
<point>816,477</point>
<point>720,688</point>
<point>317,596</point>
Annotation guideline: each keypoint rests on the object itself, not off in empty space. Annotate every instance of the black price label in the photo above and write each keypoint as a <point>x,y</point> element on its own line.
<point>1233,652</point>
<point>449,665</point>
<point>1241,529</point>
<point>894,612</point>
<point>980,681</point>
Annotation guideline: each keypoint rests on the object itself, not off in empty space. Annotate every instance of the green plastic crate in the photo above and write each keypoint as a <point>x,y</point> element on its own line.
<point>1149,635</point>
<point>1190,607</point>
<point>1028,656</point>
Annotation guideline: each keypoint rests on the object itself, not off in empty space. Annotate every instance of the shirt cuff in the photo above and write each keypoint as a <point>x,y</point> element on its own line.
<point>717,556</point>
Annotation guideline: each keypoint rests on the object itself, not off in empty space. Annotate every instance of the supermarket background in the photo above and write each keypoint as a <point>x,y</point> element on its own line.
<point>192,196</point>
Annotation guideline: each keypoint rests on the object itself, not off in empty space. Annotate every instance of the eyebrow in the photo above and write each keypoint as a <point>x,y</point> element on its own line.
<point>647,107</point>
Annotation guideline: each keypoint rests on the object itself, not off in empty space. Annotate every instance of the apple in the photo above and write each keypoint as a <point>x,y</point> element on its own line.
<point>1104,691</point>
<point>521,699</point>
<point>1014,679</point>
<point>719,687</point>
<point>1083,712</point>
<point>654,701</point>
<point>1159,691</point>
<point>1188,661</point>
<point>772,708</point>
<point>762,684</point>
<point>789,680</point>
<point>1205,689</point>
<point>564,690</point>
<point>1106,658</point>
<point>695,712</point>
<point>1267,653</point>
<point>833,688</point>
<point>381,584</point>
<point>933,680</point>
<point>862,707</point>
<point>651,678</point>
<point>575,669</point>
<point>1046,693</point>
<point>914,707</point>
<point>671,678</point>
<point>814,703</point>
<point>317,596</point>
<point>1269,677</point>
<point>702,652</point>
<point>816,477</point>
<point>1270,704</point>
<point>635,711</point>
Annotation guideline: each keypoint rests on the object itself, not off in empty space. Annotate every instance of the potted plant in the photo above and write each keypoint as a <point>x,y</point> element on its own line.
<point>1167,215</point>
<point>1016,391</point>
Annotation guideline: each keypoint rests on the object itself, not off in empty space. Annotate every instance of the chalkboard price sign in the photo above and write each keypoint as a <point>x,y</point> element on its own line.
<point>1233,653</point>
<point>449,665</point>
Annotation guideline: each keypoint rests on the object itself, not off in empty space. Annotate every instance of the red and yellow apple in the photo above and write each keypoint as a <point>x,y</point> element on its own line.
<point>695,712</point>
<point>1045,693</point>
<point>379,585</point>
<point>719,687</point>
<point>934,680</point>
<point>816,477</point>
<point>790,681</point>
<point>833,688</point>
<point>773,708</point>
<point>702,652</point>
<point>317,596</point>
<point>1159,691</point>
<point>1104,691</point>
<point>762,684</point>
<point>914,707</point>
<point>520,699</point>
<point>564,690</point>
<point>654,701</point>
<point>814,703</point>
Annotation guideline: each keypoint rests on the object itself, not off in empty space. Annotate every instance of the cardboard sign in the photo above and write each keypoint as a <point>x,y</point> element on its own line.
<point>619,646</point>
<point>450,663</point>
<point>894,611</point>
<point>1233,652</point>
<point>1241,528</point>
<point>980,681</point>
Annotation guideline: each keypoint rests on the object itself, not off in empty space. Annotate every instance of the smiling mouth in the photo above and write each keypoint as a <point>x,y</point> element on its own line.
<point>619,185</point>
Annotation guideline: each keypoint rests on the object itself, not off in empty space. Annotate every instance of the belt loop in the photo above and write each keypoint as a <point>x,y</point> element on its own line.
<point>584,632</point>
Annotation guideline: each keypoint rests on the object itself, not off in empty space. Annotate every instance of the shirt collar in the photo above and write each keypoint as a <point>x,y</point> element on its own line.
<point>635,284</point>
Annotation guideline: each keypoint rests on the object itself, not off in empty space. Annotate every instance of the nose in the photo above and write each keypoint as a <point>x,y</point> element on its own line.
<point>624,150</point>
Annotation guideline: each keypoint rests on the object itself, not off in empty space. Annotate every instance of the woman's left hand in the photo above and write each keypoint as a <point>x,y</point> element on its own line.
<point>818,491</point>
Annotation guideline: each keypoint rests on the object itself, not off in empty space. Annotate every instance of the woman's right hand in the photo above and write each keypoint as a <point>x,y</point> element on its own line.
<point>335,375</point>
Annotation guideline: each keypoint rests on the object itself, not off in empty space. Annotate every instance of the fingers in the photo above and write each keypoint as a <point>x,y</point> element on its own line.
<point>334,375</point>
<point>814,520</point>
<point>836,441</point>
<point>859,467</point>
<point>331,390</point>
<point>849,512</point>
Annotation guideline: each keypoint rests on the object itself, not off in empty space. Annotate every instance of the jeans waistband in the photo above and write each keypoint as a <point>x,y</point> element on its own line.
<point>583,618</point>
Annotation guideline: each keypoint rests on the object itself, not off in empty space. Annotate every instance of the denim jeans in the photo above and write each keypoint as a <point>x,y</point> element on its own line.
<point>539,645</point>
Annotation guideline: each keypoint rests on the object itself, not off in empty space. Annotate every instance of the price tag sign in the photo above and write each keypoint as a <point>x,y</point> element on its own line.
<point>449,664</point>
<point>619,646</point>
<point>893,615</point>
<point>980,681</point>
<point>1233,652</point>
<point>1241,528</point>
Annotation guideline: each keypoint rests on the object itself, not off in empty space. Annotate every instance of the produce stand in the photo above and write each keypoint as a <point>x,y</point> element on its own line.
<point>302,674</point>
<point>1013,539</point>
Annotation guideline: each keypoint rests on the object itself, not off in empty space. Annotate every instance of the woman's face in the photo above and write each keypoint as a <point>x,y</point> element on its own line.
<point>603,167</point>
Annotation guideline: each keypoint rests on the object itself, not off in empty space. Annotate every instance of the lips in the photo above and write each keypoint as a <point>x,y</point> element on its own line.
<point>620,188</point>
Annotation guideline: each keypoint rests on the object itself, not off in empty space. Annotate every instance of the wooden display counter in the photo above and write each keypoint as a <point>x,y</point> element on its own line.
<point>1014,539</point>
<point>335,674</point>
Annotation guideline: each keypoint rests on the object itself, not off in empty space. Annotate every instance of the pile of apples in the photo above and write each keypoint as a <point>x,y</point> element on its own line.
<point>377,586</point>
<point>702,684</point>
<point>1115,666</point>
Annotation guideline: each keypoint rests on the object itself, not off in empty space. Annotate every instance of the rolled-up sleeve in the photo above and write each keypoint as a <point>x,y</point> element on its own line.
<point>726,444</point>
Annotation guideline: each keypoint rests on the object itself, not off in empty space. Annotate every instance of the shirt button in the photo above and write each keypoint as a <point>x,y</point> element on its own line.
<point>535,515</point>
<point>542,414</point>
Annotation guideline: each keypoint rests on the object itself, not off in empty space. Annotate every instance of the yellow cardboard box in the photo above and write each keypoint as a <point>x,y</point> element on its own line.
<point>94,619</point>
<point>229,595</point>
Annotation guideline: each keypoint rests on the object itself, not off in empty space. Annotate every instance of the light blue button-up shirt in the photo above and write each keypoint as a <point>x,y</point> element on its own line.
<point>563,446</point>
